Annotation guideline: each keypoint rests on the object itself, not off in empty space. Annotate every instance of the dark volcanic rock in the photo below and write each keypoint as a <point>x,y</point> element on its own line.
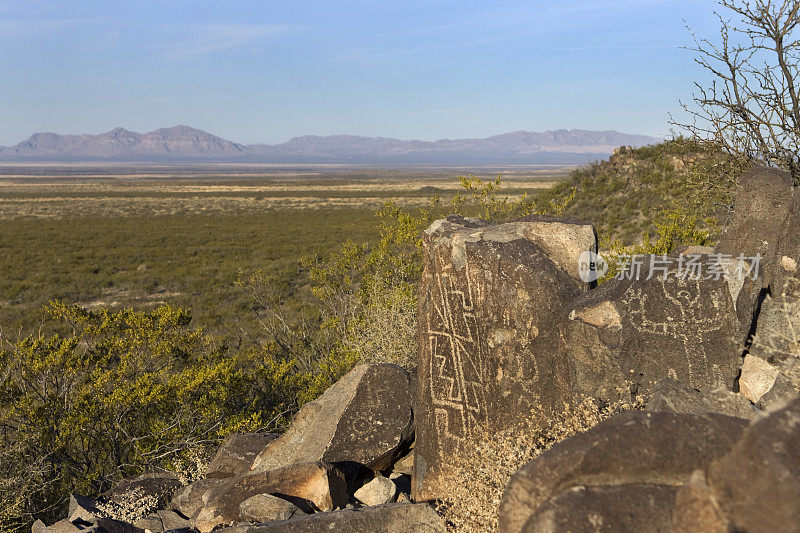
<point>311,486</point>
<point>650,450</point>
<point>267,508</point>
<point>634,507</point>
<point>391,518</point>
<point>771,370</point>
<point>757,484</point>
<point>366,418</point>
<point>490,300</point>
<point>761,212</point>
<point>82,508</point>
<point>237,453</point>
<point>638,331</point>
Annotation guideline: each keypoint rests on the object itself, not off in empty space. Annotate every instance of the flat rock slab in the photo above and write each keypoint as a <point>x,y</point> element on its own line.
<point>635,332</point>
<point>237,453</point>
<point>311,486</point>
<point>267,508</point>
<point>631,448</point>
<point>491,297</point>
<point>366,417</point>
<point>391,518</point>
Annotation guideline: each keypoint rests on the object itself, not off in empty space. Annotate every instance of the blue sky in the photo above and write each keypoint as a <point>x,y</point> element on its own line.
<point>264,71</point>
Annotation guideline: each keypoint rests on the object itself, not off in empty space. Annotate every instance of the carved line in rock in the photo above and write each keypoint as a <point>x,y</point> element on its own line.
<point>457,362</point>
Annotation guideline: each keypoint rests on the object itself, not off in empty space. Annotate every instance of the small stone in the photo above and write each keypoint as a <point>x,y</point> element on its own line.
<point>266,508</point>
<point>788,264</point>
<point>378,491</point>
<point>38,527</point>
<point>405,465</point>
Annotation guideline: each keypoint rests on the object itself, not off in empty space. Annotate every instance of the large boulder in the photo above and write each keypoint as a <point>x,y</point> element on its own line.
<point>650,454</point>
<point>366,417</point>
<point>312,487</point>
<point>787,258</point>
<point>394,517</point>
<point>490,300</point>
<point>237,453</point>
<point>761,221</point>
<point>771,370</point>
<point>656,323</point>
<point>756,486</point>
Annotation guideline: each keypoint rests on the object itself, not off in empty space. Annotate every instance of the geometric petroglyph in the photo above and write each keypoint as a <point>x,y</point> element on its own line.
<point>490,302</point>
<point>457,370</point>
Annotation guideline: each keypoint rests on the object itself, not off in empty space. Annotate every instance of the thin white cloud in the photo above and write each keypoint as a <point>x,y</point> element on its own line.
<point>197,39</point>
<point>502,21</point>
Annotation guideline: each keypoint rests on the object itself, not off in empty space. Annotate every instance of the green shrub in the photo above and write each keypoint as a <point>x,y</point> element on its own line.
<point>118,392</point>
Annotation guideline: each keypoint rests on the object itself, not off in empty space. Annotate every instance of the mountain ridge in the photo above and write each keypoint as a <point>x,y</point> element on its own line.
<point>183,143</point>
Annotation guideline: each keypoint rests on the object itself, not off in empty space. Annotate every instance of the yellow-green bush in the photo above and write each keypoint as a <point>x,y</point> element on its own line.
<point>113,393</point>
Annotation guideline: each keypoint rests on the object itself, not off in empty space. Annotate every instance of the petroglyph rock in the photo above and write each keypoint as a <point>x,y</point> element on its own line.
<point>638,331</point>
<point>491,297</point>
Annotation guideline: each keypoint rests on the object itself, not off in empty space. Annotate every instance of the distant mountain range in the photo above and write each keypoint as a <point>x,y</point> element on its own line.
<point>182,143</point>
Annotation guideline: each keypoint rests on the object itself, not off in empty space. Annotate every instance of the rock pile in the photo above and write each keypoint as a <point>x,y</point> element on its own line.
<point>334,468</point>
<point>510,331</point>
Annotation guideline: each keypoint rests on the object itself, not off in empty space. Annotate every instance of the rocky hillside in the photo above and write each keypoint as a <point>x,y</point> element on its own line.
<point>184,143</point>
<point>514,333</point>
<point>624,195</point>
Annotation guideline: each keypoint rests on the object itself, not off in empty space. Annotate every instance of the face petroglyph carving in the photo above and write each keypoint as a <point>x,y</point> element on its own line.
<point>682,304</point>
